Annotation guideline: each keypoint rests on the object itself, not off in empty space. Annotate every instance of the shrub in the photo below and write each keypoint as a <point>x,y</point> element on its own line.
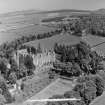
<point>5,91</point>
<point>12,78</point>
<point>2,99</point>
<point>99,85</point>
<point>72,94</point>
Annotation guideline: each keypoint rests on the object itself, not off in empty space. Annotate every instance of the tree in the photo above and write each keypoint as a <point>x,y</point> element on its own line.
<point>99,85</point>
<point>76,69</point>
<point>2,54</point>
<point>78,88</point>
<point>5,91</point>
<point>87,90</point>
<point>85,67</point>
<point>72,94</point>
<point>28,62</point>
<point>3,65</point>
<point>39,50</point>
<point>28,49</point>
<point>56,47</point>
<point>12,78</point>
<point>53,103</point>
<point>33,50</point>
<point>2,100</point>
<point>22,72</point>
<point>81,102</point>
<point>51,74</point>
<point>57,97</point>
<point>14,66</point>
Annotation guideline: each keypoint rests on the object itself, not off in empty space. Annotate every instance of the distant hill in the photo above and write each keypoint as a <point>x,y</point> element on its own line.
<point>61,12</point>
<point>99,11</point>
<point>28,12</point>
<point>65,10</point>
<point>24,12</point>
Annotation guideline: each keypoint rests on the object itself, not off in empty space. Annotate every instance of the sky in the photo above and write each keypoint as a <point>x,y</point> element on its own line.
<point>18,5</point>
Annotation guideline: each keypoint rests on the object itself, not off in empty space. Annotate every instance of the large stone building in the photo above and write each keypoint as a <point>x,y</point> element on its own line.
<point>43,58</point>
<point>18,54</point>
<point>39,59</point>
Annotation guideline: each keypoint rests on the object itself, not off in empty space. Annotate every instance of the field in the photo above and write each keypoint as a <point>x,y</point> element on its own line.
<point>23,31</point>
<point>93,40</point>
<point>48,43</point>
<point>17,24</point>
<point>59,87</point>
<point>96,40</point>
<point>34,85</point>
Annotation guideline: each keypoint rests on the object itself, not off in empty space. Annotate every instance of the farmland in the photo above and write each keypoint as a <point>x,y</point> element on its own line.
<point>23,31</point>
<point>17,24</point>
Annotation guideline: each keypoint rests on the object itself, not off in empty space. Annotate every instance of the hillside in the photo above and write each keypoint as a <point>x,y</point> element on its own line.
<point>99,11</point>
<point>65,10</point>
<point>24,12</point>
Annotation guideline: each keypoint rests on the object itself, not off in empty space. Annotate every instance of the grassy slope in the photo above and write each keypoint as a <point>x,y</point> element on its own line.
<point>96,40</point>
<point>11,35</point>
<point>49,42</point>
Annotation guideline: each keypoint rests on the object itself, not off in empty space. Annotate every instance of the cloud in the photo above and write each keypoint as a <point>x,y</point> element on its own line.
<point>88,4</point>
<point>3,6</point>
<point>13,5</point>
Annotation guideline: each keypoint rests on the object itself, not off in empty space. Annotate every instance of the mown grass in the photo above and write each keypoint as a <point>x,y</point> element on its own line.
<point>48,43</point>
<point>34,85</point>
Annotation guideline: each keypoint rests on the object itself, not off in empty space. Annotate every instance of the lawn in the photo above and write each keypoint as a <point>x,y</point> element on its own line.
<point>58,87</point>
<point>48,43</point>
